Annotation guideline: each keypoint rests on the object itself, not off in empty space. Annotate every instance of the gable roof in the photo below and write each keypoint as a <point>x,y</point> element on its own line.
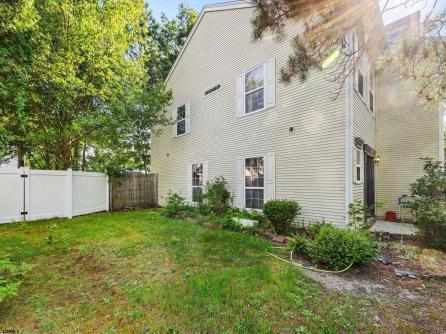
<point>209,8</point>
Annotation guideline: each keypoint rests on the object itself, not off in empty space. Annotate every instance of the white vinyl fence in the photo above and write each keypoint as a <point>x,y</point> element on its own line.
<point>39,194</point>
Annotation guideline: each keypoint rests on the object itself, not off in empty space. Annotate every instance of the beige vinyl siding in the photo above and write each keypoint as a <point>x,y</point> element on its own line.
<point>363,127</point>
<point>310,164</point>
<point>406,131</point>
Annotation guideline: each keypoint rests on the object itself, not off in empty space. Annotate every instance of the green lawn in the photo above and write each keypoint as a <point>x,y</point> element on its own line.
<point>140,272</point>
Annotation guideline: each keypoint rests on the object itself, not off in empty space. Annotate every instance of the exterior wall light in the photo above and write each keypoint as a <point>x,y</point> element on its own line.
<point>377,159</point>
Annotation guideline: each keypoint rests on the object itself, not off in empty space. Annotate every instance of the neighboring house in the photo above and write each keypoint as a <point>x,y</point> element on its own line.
<point>236,118</point>
<point>11,163</point>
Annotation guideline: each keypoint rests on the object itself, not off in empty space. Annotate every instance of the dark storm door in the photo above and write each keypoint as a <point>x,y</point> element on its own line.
<point>369,189</point>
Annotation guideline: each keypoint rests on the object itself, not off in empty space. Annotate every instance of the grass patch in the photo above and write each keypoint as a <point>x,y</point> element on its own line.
<point>141,272</point>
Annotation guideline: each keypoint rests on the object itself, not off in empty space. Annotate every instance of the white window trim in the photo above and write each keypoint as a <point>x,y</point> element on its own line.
<point>263,156</point>
<point>360,165</point>
<point>215,91</point>
<point>183,119</point>
<point>246,93</point>
<point>192,179</point>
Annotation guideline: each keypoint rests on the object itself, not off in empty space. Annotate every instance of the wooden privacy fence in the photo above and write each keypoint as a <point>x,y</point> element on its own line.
<point>133,190</point>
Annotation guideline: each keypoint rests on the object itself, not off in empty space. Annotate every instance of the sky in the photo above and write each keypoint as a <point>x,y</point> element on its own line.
<point>170,8</point>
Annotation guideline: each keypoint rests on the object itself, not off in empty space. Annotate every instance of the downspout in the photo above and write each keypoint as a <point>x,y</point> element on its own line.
<point>348,144</point>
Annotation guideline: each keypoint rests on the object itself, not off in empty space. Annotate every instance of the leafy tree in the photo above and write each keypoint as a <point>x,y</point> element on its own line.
<point>324,43</point>
<point>82,78</point>
<point>165,40</point>
<point>428,203</point>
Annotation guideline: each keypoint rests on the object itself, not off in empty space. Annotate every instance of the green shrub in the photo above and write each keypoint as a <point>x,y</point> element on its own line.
<point>280,213</point>
<point>217,196</point>
<point>338,248</point>
<point>299,244</point>
<point>10,275</point>
<point>176,207</point>
<point>428,204</point>
<point>232,225</point>
<point>314,228</point>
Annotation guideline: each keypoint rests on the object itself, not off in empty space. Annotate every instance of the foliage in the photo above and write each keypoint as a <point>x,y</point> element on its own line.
<point>10,275</point>
<point>280,213</point>
<point>74,88</point>
<point>428,204</point>
<point>299,244</point>
<point>232,225</point>
<point>176,207</point>
<point>165,40</point>
<point>252,214</point>
<point>338,248</point>
<point>314,228</point>
<point>324,43</point>
<point>358,212</point>
<point>217,196</point>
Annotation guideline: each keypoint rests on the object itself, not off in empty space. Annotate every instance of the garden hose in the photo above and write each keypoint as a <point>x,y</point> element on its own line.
<point>297,264</point>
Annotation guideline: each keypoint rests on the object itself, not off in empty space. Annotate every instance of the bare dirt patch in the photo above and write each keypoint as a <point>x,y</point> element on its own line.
<point>412,302</point>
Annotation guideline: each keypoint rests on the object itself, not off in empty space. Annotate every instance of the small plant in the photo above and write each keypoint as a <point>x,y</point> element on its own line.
<point>10,275</point>
<point>176,207</point>
<point>217,196</point>
<point>280,213</point>
<point>428,204</point>
<point>358,212</point>
<point>232,225</point>
<point>299,244</point>
<point>338,248</point>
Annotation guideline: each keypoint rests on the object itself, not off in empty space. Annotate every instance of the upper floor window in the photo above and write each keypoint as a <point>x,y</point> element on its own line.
<point>181,120</point>
<point>371,89</point>
<point>364,74</point>
<point>197,181</point>
<point>254,183</point>
<point>255,89</point>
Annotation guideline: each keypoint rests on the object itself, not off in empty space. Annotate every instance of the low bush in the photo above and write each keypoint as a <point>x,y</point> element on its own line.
<point>10,277</point>
<point>299,244</point>
<point>217,197</point>
<point>176,207</point>
<point>428,204</point>
<point>280,213</point>
<point>338,248</point>
<point>232,225</point>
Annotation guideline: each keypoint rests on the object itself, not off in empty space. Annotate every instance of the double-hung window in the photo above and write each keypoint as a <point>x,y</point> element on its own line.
<point>197,181</point>
<point>254,182</point>
<point>255,89</point>
<point>181,120</point>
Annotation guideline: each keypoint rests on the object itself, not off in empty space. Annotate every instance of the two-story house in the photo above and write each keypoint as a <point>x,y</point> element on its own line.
<point>234,117</point>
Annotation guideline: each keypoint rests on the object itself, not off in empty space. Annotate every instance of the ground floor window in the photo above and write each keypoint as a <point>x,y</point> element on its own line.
<point>197,181</point>
<point>254,182</point>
